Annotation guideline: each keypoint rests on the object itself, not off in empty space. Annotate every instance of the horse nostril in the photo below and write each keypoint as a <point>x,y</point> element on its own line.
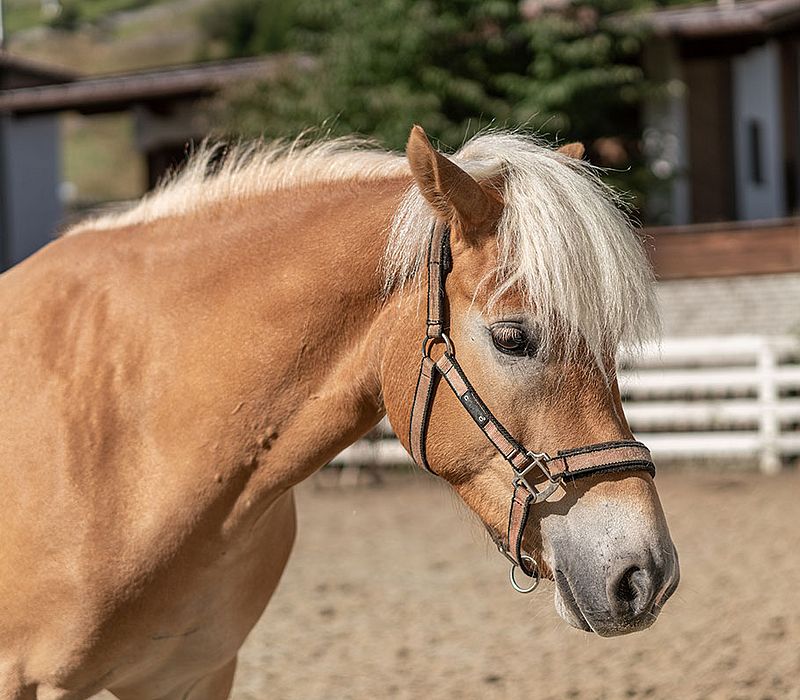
<point>627,590</point>
<point>632,592</point>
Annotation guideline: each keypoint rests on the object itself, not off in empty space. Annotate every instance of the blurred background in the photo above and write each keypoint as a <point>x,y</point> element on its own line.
<point>693,108</point>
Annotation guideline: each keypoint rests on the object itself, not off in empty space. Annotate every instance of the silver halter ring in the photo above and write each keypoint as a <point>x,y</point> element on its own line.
<point>429,341</point>
<point>534,579</point>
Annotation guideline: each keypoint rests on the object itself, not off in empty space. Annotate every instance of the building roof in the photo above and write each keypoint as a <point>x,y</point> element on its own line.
<point>19,72</point>
<point>119,91</point>
<point>721,19</point>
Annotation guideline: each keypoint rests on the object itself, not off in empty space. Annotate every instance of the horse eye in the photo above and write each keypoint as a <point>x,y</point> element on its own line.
<point>511,339</point>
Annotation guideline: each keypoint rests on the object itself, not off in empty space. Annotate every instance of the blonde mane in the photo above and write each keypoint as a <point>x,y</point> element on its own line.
<point>216,173</point>
<point>564,240</point>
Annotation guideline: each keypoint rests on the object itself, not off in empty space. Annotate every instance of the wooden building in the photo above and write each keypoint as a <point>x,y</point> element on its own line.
<point>725,131</point>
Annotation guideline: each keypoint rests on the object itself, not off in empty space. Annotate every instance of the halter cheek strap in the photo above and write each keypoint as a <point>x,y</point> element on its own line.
<point>535,475</point>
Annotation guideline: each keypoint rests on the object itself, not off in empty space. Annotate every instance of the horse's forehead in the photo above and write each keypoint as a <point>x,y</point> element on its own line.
<point>478,282</point>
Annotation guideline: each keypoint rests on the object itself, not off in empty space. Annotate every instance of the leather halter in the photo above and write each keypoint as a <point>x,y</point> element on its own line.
<point>527,466</point>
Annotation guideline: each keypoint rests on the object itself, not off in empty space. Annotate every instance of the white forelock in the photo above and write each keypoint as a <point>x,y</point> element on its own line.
<point>564,241</point>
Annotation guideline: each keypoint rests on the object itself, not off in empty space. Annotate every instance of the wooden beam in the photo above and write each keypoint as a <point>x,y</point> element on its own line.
<point>723,250</point>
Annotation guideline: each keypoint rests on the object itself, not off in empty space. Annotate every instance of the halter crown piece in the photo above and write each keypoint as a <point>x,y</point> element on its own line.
<point>535,475</point>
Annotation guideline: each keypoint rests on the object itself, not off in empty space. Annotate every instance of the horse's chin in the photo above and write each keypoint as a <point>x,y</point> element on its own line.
<point>566,605</point>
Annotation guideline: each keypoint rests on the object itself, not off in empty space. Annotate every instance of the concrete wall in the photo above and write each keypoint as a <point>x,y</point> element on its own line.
<point>749,305</point>
<point>30,177</point>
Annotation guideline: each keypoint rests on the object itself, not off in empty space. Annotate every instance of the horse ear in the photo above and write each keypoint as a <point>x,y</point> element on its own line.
<point>573,150</point>
<point>452,192</point>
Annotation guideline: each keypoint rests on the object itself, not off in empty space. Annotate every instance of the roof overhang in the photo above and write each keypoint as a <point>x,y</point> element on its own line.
<point>117,92</point>
<point>720,20</point>
<point>33,72</point>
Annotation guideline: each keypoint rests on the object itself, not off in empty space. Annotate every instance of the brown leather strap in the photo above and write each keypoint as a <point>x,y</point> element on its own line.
<point>521,503</point>
<point>493,429</point>
<point>420,410</point>
<point>438,267</point>
<point>605,457</point>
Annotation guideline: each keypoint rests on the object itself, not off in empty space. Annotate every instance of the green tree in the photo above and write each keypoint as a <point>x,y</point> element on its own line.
<point>248,27</point>
<point>455,66</point>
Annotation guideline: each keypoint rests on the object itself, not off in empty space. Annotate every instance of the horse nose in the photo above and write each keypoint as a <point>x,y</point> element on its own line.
<point>632,589</point>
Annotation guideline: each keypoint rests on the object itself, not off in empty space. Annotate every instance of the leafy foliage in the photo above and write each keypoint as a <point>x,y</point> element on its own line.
<point>454,66</point>
<point>74,13</point>
<point>247,27</point>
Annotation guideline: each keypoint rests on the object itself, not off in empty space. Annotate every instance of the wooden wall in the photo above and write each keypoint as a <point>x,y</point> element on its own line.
<point>710,134</point>
<point>721,250</point>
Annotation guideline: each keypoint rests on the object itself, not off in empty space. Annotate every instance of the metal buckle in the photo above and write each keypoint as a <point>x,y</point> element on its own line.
<point>538,460</point>
<point>501,548</point>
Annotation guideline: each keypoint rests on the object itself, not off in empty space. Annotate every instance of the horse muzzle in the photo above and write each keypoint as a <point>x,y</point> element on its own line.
<point>615,597</point>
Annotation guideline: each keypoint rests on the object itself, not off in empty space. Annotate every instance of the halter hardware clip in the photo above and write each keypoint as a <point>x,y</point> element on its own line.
<point>539,461</point>
<point>430,340</point>
<point>535,578</point>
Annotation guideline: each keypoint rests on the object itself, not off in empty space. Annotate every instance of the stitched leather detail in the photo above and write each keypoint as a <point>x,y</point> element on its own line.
<point>438,254</point>
<point>603,457</point>
<point>517,520</point>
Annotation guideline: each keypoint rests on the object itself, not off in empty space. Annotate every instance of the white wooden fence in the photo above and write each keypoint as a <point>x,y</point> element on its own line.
<point>717,398</point>
<point>729,397</point>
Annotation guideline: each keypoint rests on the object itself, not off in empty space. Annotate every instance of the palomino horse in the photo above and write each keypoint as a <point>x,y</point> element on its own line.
<point>174,370</point>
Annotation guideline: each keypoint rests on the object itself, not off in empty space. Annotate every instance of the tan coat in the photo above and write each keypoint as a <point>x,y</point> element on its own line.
<point>166,385</point>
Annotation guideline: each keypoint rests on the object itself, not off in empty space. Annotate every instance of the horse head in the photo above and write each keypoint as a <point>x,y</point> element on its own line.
<point>535,277</point>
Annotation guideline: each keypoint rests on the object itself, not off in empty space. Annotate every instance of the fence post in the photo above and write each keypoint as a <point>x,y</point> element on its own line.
<point>769,423</point>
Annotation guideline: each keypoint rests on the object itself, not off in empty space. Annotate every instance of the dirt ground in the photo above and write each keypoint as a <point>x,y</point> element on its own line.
<point>393,592</point>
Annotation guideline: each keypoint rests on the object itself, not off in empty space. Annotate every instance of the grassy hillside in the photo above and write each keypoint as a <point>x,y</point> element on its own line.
<point>104,36</point>
<point>25,14</point>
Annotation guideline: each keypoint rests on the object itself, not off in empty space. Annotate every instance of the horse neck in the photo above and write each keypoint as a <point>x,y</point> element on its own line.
<point>294,282</point>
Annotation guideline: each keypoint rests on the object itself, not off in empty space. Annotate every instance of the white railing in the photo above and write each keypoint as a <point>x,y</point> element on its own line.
<point>732,397</point>
<point>717,398</point>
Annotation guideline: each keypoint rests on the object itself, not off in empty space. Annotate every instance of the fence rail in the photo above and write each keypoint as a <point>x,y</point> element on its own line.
<point>711,398</point>
<point>717,397</point>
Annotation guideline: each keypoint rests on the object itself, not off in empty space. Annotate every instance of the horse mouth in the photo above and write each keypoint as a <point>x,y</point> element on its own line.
<point>567,606</point>
<point>602,623</point>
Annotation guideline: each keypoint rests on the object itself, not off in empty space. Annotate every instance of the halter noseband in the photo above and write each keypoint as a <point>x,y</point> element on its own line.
<point>527,466</point>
